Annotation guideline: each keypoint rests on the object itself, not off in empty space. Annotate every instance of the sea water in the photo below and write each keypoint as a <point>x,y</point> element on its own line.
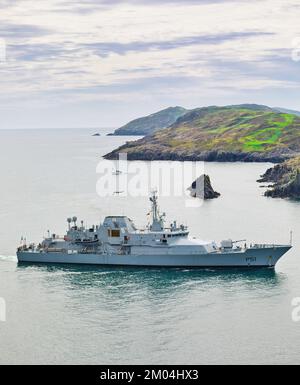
<point>116,315</point>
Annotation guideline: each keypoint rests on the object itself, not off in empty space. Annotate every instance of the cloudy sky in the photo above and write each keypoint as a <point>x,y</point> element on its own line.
<point>100,63</point>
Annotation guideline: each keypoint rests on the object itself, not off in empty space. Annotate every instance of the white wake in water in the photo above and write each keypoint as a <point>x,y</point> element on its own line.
<point>11,258</point>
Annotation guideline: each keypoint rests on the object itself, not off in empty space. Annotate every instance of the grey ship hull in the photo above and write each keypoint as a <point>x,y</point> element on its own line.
<point>252,257</point>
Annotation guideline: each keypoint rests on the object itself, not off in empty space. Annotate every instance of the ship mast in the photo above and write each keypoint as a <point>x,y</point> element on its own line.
<point>157,219</point>
<point>153,199</point>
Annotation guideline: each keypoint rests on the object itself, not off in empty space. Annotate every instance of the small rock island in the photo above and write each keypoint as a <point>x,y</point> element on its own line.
<point>202,188</point>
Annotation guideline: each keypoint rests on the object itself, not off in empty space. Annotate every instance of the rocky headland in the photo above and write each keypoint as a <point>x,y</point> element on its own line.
<point>149,124</point>
<point>285,180</point>
<point>246,133</point>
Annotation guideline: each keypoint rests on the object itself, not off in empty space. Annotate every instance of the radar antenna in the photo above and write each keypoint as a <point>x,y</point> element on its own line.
<point>154,200</point>
<point>157,219</point>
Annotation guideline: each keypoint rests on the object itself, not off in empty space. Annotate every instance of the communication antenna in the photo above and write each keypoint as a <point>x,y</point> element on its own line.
<point>69,220</point>
<point>74,220</point>
<point>153,200</point>
<point>291,237</point>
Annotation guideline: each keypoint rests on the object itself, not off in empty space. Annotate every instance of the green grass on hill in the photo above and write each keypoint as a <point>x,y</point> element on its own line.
<point>261,139</point>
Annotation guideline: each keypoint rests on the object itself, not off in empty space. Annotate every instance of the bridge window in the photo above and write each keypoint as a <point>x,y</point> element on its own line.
<point>114,233</point>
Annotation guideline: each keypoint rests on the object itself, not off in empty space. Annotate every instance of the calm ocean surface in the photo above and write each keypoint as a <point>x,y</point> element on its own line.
<point>99,315</point>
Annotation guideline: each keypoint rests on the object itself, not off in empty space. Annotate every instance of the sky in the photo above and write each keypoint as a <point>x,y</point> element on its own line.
<point>101,63</point>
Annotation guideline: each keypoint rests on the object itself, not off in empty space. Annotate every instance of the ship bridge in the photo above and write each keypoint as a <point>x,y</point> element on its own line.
<point>116,229</point>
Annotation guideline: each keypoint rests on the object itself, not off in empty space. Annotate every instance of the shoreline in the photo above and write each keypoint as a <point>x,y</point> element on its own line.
<point>285,186</point>
<point>212,156</point>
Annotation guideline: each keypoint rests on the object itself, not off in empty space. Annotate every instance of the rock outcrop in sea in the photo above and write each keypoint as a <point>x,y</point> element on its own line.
<point>202,188</point>
<point>285,178</point>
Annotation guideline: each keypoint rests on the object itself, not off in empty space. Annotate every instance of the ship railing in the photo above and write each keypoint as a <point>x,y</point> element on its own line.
<point>55,250</point>
<point>263,246</point>
<point>56,237</point>
<point>30,247</point>
<point>86,251</point>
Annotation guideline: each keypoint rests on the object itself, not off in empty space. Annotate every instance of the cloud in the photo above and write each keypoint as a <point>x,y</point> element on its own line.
<point>40,52</point>
<point>21,31</point>
<point>90,5</point>
<point>104,49</point>
<point>109,50</point>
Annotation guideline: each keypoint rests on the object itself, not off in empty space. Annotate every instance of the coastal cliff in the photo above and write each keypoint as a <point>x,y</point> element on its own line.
<point>285,178</point>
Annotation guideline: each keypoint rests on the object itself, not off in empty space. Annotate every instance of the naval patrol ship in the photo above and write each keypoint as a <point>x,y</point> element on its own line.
<point>117,241</point>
